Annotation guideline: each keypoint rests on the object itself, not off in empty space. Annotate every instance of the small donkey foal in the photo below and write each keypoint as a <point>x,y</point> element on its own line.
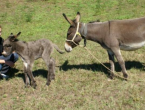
<point>30,51</point>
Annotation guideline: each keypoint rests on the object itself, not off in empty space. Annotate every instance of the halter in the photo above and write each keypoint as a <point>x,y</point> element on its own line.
<point>77,33</point>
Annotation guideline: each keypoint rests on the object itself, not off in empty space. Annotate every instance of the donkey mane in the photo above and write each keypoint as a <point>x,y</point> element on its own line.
<point>95,21</point>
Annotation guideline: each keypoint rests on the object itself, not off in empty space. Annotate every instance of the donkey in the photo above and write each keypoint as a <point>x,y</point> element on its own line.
<point>29,52</point>
<point>112,35</point>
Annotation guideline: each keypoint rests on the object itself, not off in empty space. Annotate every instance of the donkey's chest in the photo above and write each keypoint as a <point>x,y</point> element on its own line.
<point>132,46</point>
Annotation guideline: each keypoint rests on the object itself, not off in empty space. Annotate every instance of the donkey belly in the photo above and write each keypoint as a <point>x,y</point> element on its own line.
<point>133,46</point>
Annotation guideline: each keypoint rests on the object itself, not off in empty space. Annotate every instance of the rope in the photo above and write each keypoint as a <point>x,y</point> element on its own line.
<point>107,67</point>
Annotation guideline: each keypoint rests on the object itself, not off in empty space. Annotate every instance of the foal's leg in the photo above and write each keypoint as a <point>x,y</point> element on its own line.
<point>47,61</point>
<point>49,74</point>
<point>29,70</point>
<point>27,81</point>
<point>120,61</point>
<point>52,69</point>
<point>111,60</point>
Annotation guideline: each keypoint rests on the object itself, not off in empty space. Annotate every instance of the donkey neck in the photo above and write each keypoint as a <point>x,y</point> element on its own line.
<point>94,31</point>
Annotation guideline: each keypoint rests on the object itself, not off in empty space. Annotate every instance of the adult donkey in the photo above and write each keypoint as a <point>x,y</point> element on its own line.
<point>30,51</point>
<point>111,35</point>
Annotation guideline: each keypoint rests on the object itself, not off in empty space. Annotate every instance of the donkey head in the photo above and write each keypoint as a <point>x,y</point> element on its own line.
<point>73,37</point>
<point>8,45</point>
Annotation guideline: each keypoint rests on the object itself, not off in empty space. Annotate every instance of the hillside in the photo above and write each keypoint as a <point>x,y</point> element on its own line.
<point>81,82</point>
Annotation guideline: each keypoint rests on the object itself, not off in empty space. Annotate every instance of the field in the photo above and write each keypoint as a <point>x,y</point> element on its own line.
<point>81,82</point>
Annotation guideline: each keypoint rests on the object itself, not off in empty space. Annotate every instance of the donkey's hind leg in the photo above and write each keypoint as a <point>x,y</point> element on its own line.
<point>120,61</point>
<point>111,60</point>
<point>47,61</point>
<point>52,69</point>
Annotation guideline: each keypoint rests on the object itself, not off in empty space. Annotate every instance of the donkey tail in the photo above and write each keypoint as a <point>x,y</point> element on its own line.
<point>56,47</point>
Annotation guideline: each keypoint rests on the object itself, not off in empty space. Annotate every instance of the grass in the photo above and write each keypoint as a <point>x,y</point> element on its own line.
<point>81,82</point>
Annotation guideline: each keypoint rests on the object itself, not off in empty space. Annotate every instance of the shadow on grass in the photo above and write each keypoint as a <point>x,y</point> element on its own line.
<point>99,67</point>
<point>36,73</point>
<point>40,72</point>
<point>92,67</point>
<point>11,72</point>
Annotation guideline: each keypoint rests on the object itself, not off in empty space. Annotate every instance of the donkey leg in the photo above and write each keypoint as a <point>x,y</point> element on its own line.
<point>48,77</point>
<point>52,69</point>
<point>111,61</point>
<point>29,70</point>
<point>47,61</point>
<point>27,81</point>
<point>120,61</point>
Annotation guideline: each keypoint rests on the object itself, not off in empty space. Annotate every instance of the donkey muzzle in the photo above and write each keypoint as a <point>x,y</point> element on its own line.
<point>68,48</point>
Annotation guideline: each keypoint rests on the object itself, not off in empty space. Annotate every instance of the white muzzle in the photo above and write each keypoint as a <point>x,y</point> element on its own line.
<point>68,48</point>
<point>4,53</point>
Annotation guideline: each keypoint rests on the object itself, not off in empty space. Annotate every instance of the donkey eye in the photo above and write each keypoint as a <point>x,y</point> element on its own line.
<point>7,45</point>
<point>68,34</point>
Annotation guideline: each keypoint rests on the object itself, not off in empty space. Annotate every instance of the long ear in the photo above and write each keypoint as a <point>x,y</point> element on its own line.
<point>13,37</point>
<point>78,17</point>
<point>69,21</point>
<point>18,34</point>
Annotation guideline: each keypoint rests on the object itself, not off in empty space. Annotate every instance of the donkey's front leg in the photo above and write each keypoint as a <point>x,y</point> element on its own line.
<point>120,61</point>
<point>111,60</point>
<point>27,81</point>
<point>29,70</point>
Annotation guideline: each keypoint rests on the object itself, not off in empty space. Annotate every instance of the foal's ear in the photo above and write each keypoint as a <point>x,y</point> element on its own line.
<point>69,21</point>
<point>18,34</point>
<point>78,17</point>
<point>13,37</point>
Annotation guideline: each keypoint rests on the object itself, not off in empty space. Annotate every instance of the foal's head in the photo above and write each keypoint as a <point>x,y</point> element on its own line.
<point>73,37</point>
<point>8,46</point>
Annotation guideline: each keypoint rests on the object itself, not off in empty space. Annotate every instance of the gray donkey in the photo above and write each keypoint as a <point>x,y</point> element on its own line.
<point>30,51</point>
<point>112,35</point>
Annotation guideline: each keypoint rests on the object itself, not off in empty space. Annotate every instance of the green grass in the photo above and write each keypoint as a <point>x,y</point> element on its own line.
<point>81,82</point>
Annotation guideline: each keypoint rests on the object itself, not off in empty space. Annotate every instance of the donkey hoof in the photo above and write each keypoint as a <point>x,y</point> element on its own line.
<point>27,86</point>
<point>48,83</point>
<point>125,76</point>
<point>52,77</point>
<point>34,85</point>
<point>111,76</point>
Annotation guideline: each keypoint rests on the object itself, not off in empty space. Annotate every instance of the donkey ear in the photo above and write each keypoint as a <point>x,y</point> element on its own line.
<point>18,34</point>
<point>13,37</point>
<point>78,17</point>
<point>69,21</point>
